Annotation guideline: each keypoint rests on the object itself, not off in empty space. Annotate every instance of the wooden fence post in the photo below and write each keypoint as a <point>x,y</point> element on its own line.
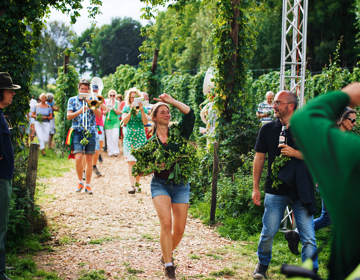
<point>32,169</point>
<point>155,61</point>
<point>214,182</point>
<point>66,63</point>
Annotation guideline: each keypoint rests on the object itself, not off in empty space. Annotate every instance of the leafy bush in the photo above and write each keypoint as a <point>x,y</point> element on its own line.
<point>21,212</point>
<point>66,87</point>
<point>126,77</point>
<point>195,99</point>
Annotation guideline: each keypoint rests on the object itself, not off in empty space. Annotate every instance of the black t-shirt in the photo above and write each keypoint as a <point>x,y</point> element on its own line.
<point>268,142</point>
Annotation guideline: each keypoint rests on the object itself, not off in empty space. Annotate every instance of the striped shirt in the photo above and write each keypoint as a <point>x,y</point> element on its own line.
<point>263,108</point>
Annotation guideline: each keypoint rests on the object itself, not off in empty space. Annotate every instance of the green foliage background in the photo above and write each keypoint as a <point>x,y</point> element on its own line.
<point>21,24</point>
<point>66,87</point>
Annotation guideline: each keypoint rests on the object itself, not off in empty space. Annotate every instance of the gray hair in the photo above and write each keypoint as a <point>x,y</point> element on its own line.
<point>269,93</point>
<point>50,96</point>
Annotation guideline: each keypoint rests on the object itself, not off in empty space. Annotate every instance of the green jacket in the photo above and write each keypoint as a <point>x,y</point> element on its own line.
<point>334,160</point>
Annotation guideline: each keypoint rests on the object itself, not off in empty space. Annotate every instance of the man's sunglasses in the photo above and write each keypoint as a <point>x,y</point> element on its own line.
<point>352,120</point>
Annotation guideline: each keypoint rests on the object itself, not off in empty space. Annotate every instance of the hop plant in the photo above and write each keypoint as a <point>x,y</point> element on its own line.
<point>87,134</point>
<point>39,118</point>
<point>152,157</point>
<point>278,163</point>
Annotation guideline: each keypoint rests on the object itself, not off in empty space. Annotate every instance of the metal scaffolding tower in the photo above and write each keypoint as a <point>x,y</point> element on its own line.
<point>294,30</point>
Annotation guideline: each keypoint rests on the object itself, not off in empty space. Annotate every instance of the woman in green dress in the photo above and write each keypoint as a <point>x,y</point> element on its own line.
<point>135,135</point>
<point>112,124</point>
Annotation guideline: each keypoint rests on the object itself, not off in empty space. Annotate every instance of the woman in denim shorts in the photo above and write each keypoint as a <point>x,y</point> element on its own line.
<point>170,198</point>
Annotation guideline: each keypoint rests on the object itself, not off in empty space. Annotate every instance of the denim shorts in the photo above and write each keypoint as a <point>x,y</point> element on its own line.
<point>78,148</point>
<point>179,193</point>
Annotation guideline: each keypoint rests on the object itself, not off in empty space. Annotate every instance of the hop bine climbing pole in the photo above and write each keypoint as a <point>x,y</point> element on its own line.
<point>293,46</point>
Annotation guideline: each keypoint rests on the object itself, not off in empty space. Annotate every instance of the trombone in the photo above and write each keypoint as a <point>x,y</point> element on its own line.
<point>94,103</point>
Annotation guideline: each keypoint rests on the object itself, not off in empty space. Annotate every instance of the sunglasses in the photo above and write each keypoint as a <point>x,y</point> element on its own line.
<point>352,120</point>
<point>112,95</point>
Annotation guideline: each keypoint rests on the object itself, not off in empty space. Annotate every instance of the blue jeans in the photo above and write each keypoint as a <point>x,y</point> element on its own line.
<point>324,220</point>
<point>274,212</point>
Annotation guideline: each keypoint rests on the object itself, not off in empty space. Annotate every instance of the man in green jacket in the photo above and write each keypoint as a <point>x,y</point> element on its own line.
<point>333,158</point>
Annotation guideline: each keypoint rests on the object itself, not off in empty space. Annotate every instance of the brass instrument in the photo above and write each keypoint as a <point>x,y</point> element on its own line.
<point>94,103</point>
<point>101,99</point>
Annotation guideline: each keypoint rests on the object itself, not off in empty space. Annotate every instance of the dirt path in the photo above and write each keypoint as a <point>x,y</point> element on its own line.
<point>119,233</point>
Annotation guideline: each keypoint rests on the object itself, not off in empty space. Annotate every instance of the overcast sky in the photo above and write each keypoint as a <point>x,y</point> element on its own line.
<point>110,9</point>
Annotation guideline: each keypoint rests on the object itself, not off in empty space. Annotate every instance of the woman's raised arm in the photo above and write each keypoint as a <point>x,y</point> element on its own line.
<point>183,108</point>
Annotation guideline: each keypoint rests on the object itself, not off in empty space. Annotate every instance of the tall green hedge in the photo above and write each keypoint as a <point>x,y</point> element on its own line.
<point>66,87</point>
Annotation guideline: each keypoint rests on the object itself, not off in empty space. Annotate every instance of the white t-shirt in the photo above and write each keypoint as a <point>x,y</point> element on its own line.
<point>32,105</point>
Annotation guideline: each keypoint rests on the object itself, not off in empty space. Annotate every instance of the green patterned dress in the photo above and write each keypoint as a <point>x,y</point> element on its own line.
<point>135,134</point>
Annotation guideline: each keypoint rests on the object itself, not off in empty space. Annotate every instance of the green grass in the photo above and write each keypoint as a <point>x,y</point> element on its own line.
<point>134,271</point>
<point>214,256</point>
<point>67,240</point>
<point>147,236</point>
<point>26,269</point>
<point>280,252</point>
<point>224,272</point>
<point>20,253</point>
<point>52,166</point>
<point>194,257</point>
<point>100,240</point>
<point>93,275</point>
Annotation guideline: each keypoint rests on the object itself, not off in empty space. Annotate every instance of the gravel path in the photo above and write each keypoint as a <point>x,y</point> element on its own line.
<point>119,233</point>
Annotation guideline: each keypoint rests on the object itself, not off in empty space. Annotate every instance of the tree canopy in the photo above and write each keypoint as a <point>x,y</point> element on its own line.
<point>49,55</point>
<point>21,23</point>
<point>186,45</point>
<point>115,44</point>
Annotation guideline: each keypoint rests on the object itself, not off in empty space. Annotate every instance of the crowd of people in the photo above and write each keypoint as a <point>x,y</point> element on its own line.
<point>171,201</point>
<point>321,154</point>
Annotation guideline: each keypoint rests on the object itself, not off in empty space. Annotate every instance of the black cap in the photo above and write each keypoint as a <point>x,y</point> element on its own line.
<point>6,82</point>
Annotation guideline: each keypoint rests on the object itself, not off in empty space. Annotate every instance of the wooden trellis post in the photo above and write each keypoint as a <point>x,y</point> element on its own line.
<point>32,169</point>
<point>214,182</point>
<point>155,61</point>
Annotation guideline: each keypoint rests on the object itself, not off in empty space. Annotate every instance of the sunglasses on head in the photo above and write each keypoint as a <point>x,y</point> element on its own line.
<point>352,120</point>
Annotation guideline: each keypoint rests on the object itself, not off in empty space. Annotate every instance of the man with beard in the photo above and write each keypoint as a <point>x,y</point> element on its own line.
<point>276,200</point>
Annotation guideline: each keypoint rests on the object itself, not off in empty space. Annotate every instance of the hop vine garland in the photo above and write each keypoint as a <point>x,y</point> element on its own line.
<point>278,163</point>
<point>152,157</point>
